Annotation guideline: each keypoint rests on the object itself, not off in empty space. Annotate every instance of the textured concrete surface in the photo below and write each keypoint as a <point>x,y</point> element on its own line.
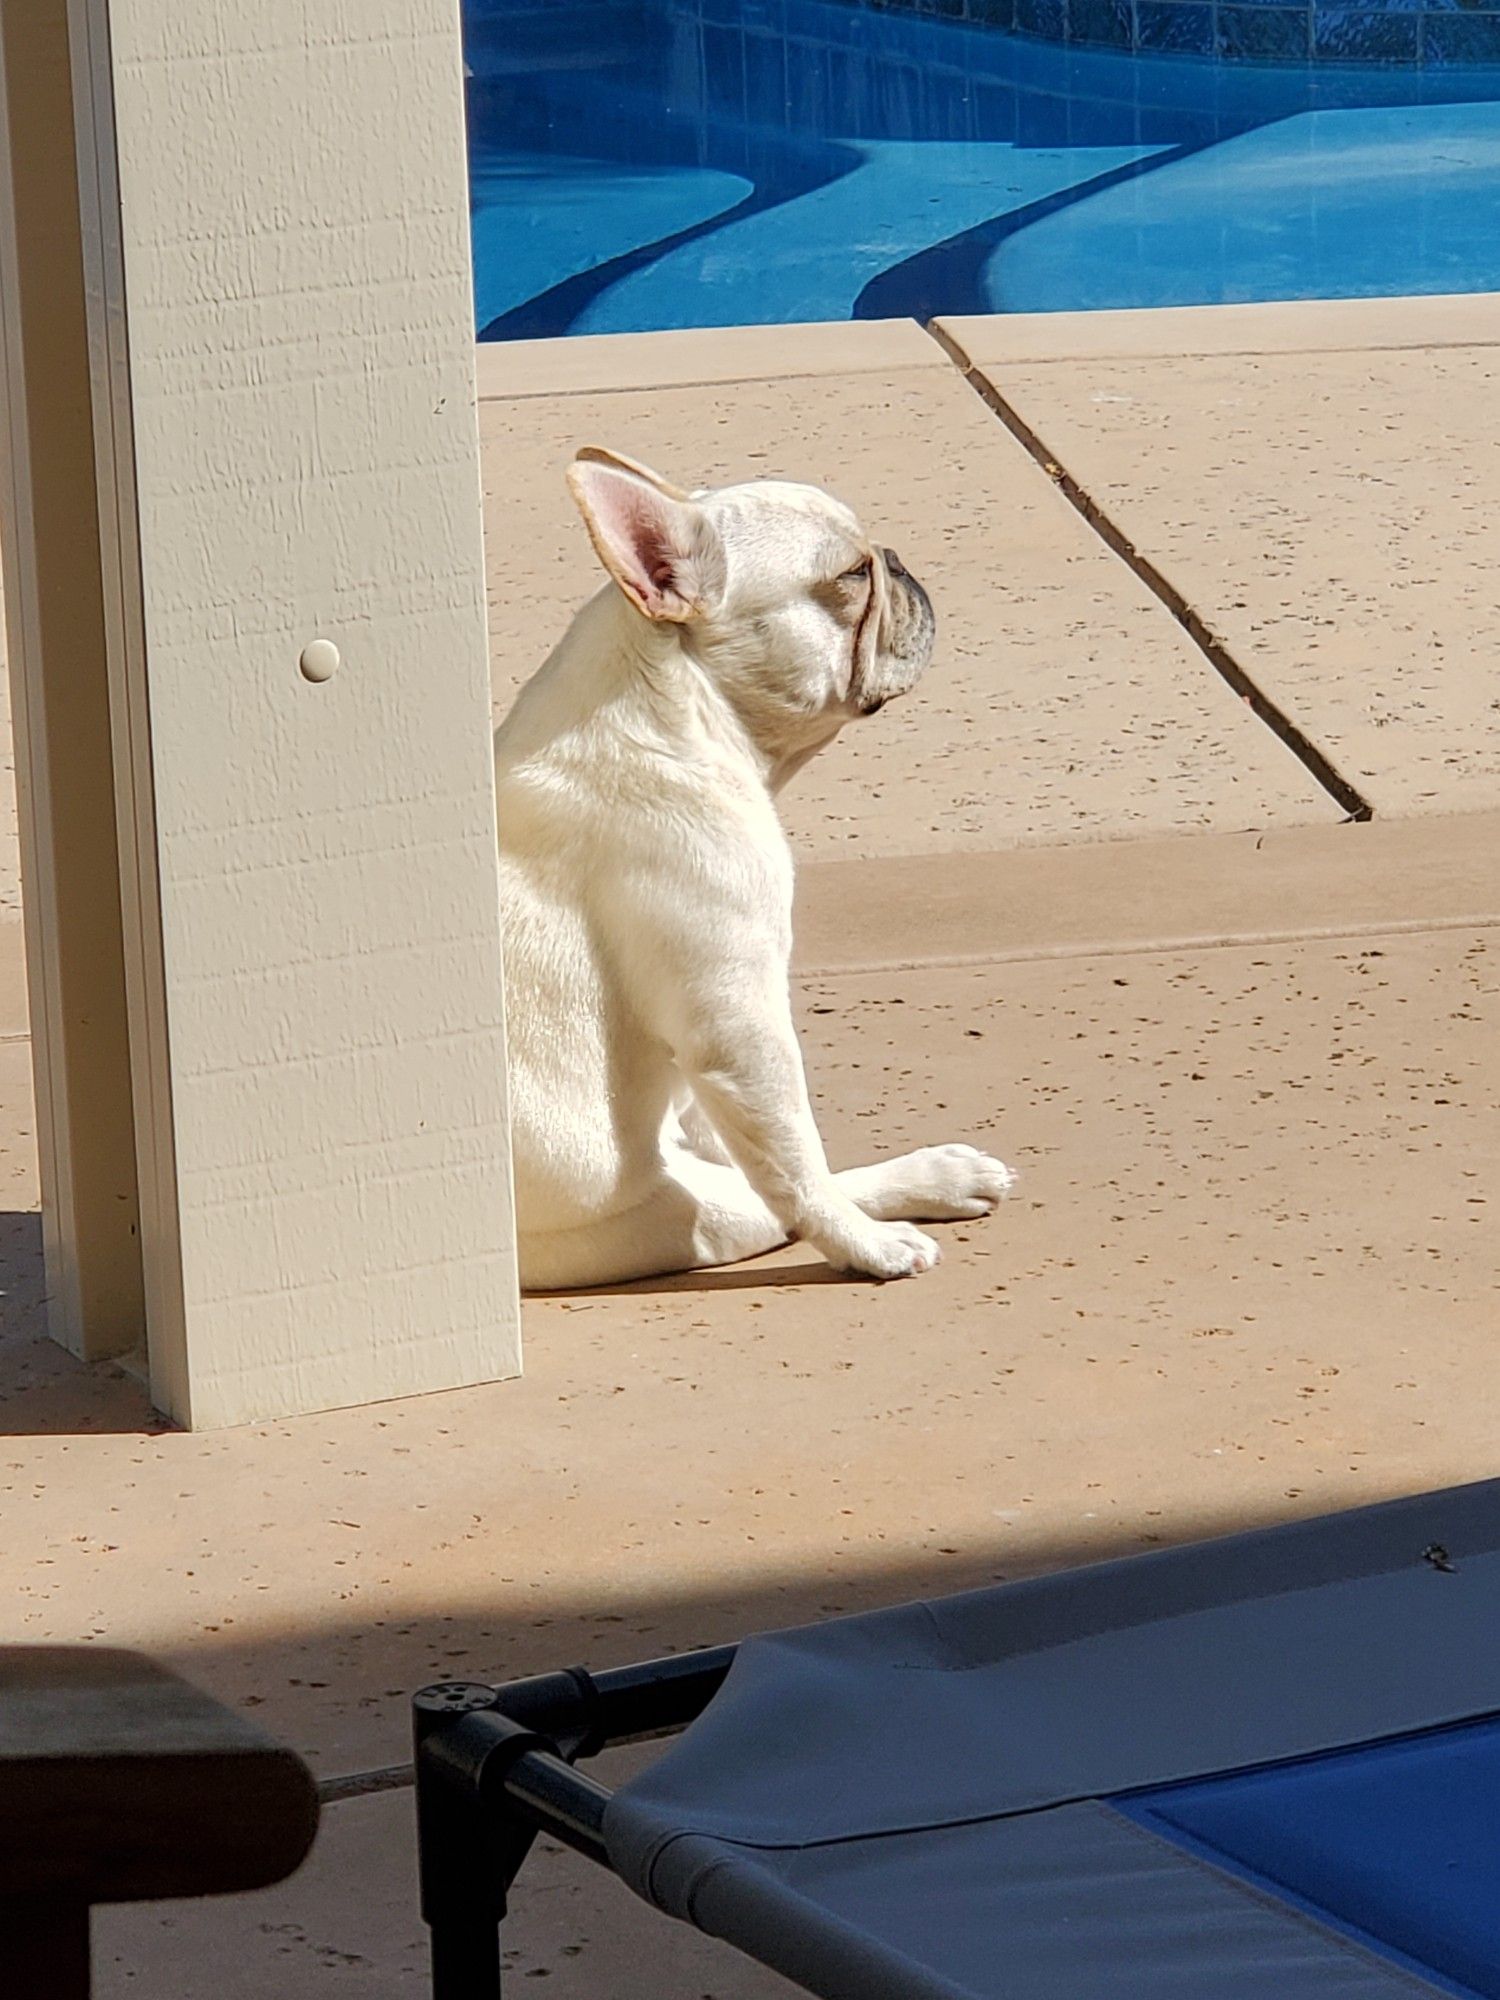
<point>1382,877</point>
<point>348,1925</point>
<point>1064,703</point>
<point>1250,1275</point>
<point>1201,1131</point>
<point>693,358</point>
<point>1362,326</point>
<point>1328,511</point>
<point>1251,1081</point>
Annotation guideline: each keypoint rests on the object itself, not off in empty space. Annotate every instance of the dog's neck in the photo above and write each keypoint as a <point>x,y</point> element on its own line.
<point>653,661</point>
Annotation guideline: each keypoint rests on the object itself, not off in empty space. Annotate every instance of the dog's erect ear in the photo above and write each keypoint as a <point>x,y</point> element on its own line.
<point>655,542</point>
<point>598,454</point>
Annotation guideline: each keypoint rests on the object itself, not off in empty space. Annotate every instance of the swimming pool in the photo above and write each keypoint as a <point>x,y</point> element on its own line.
<point>641,164</point>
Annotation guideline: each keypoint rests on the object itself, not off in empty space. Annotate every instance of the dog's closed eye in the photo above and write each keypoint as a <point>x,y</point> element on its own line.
<point>860,573</point>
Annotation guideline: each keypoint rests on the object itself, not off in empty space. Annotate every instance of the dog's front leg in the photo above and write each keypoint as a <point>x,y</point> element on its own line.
<point>742,1058</point>
<point>704,958</point>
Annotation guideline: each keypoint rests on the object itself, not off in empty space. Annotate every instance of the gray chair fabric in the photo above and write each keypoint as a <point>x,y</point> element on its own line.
<point>911,1802</point>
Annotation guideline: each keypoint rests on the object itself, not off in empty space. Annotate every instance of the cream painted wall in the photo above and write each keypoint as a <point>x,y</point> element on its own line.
<point>284,404</point>
<point>58,678</point>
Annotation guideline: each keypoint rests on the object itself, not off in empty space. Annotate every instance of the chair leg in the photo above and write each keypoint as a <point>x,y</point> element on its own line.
<point>466,1958</point>
<point>463,1883</point>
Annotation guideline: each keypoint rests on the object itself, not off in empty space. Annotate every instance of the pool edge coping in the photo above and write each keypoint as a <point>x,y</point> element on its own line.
<point>686,357</point>
<point>1292,326</point>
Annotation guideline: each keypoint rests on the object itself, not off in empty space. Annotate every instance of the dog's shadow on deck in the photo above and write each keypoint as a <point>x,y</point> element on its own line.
<point>45,1392</point>
<point>762,1273</point>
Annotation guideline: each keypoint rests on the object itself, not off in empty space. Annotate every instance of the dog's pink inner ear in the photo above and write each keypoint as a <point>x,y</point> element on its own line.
<point>652,545</point>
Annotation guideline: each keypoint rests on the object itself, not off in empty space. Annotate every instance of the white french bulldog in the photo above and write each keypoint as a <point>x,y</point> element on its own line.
<point>660,1114</point>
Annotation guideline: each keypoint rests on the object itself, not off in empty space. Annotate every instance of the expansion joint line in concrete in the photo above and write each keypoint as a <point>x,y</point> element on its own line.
<point>1213,649</point>
<point>366,1784</point>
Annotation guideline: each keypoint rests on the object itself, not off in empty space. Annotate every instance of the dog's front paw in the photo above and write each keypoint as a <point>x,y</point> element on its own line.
<point>934,1184</point>
<point>887,1250</point>
<point>957,1183</point>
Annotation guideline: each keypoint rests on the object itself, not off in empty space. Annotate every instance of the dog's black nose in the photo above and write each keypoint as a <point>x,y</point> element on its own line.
<point>894,563</point>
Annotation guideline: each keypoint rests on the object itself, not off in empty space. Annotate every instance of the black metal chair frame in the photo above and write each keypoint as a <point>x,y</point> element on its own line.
<point>495,1767</point>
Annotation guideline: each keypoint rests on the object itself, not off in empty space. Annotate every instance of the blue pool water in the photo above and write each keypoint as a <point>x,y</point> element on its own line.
<point>638,164</point>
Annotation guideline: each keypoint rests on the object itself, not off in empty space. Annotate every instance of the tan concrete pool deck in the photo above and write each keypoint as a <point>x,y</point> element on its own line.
<point>1094,896</point>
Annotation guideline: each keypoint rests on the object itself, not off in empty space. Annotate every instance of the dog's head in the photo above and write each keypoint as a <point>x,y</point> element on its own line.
<point>799,618</point>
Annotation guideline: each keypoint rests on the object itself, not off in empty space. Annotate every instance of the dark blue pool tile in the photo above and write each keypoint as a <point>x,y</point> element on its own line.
<point>991,13</point>
<point>847,26</point>
<point>1273,33</point>
<point>1460,38</point>
<point>765,75</point>
<point>1041,119</point>
<point>1100,23</point>
<point>1359,34</point>
<point>898,101</point>
<point>1174,27</point>
<point>855,85</point>
<point>769,16</point>
<point>1040,17</point>
<point>724,70</point>
<point>901,34</point>
<point>810,94</point>
<point>995,119</point>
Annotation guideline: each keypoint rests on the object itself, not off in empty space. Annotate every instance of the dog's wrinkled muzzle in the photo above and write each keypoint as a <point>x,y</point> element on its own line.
<point>904,582</point>
<point>910,627</point>
<point>905,637</point>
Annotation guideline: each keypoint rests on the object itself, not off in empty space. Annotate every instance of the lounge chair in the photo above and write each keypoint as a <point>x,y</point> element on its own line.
<point>1264,1766</point>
